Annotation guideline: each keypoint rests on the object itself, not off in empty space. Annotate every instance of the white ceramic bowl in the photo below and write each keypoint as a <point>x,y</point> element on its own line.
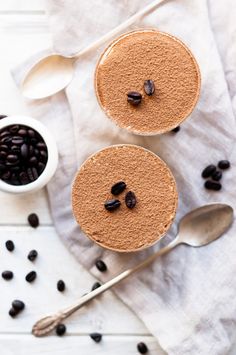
<point>52,155</point>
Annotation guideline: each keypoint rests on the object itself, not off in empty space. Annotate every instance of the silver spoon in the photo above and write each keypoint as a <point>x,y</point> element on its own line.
<point>54,72</point>
<point>197,228</point>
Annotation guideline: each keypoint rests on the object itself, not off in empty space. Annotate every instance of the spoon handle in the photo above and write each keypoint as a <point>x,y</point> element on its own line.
<point>120,27</point>
<point>45,325</point>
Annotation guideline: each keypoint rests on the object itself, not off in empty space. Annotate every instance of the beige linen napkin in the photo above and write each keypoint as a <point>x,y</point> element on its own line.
<point>186,298</point>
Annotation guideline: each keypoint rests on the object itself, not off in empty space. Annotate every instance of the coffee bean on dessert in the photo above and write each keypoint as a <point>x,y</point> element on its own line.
<point>217,175</point>
<point>60,329</point>
<point>33,220</point>
<point>18,305</point>
<point>7,275</point>
<point>10,245</point>
<point>31,276</point>
<point>95,285</point>
<point>112,205</point>
<point>176,129</point>
<point>130,199</point>
<point>2,116</point>
<point>32,255</point>
<point>118,188</point>
<point>149,87</point>
<point>101,266</point>
<point>97,337</point>
<point>61,285</point>
<point>224,164</point>
<point>13,312</point>
<point>142,348</point>
<point>212,185</point>
<point>134,98</point>
<point>208,171</point>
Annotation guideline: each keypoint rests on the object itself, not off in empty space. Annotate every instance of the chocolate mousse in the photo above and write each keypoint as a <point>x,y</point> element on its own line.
<point>159,75</point>
<point>144,188</point>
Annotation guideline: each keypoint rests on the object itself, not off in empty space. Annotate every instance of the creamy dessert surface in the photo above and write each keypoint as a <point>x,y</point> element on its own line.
<point>143,55</point>
<point>147,176</point>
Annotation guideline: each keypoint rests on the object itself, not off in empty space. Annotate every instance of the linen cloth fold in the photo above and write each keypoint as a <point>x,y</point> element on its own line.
<point>186,298</point>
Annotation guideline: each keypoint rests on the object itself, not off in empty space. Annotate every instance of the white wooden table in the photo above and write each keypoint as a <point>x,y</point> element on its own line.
<point>24,31</point>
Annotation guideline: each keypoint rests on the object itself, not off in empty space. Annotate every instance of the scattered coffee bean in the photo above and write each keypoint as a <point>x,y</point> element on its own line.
<point>18,305</point>
<point>13,312</point>
<point>31,276</point>
<point>61,285</point>
<point>224,164</point>
<point>10,245</point>
<point>134,98</point>
<point>97,337</point>
<point>2,116</point>
<point>32,255</point>
<point>142,348</point>
<point>217,175</point>
<point>176,129</point>
<point>208,171</point>
<point>118,188</point>
<point>33,220</point>
<point>212,185</point>
<point>95,285</point>
<point>112,205</point>
<point>60,329</point>
<point>7,275</point>
<point>101,266</point>
<point>149,87</point>
<point>130,199</point>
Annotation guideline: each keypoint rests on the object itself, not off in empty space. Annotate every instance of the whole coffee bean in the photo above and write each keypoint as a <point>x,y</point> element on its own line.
<point>6,140</point>
<point>212,185</point>
<point>17,140</point>
<point>95,286</point>
<point>32,255</point>
<point>149,87</point>
<point>112,205</point>
<point>33,220</point>
<point>130,199</point>
<point>134,98</point>
<point>142,348</point>
<point>15,149</point>
<point>23,178</point>
<point>22,132</point>
<point>31,133</point>
<point>31,150</point>
<point>13,312</point>
<point>3,154</point>
<point>10,245</point>
<point>97,337</point>
<point>24,150</point>
<point>176,129</point>
<point>41,167</point>
<point>7,275</point>
<point>2,116</point>
<point>43,156</point>
<point>30,174</point>
<point>36,153</point>
<point>41,146</point>
<point>13,129</point>
<point>61,285</point>
<point>5,133</point>
<point>224,164</point>
<point>208,171</point>
<point>31,276</point>
<point>217,175</point>
<point>18,305</point>
<point>12,158</point>
<point>60,329</point>
<point>4,148</point>
<point>33,160</point>
<point>118,188</point>
<point>6,175</point>
<point>101,266</point>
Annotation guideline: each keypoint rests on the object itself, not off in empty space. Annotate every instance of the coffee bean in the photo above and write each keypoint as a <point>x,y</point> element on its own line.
<point>5,134</point>
<point>7,275</point>
<point>101,266</point>
<point>118,188</point>
<point>15,169</point>
<point>41,146</point>
<point>31,276</point>
<point>11,158</point>
<point>32,255</point>
<point>15,149</point>
<point>2,116</point>
<point>142,348</point>
<point>24,151</point>
<point>149,87</point>
<point>30,174</point>
<point>33,141</point>
<point>96,285</point>
<point>31,133</point>
<point>43,156</point>
<point>23,178</point>
<point>61,285</point>
<point>212,185</point>
<point>33,220</point>
<point>208,171</point>
<point>13,129</point>
<point>33,161</point>
<point>217,175</point>
<point>4,148</point>
<point>18,305</point>
<point>224,164</point>
<point>6,175</point>
<point>60,329</point>
<point>14,179</point>
<point>36,153</point>
<point>31,150</point>
<point>22,132</point>
<point>176,129</point>
<point>6,140</point>
<point>13,312</point>
<point>134,98</point>
<point>41,167</point>
<point>97,337</point>
<point>130,199</point>
<point>2,167</point>
<point>112,205</point>
<point>3,155</point>
<point>17,140</point>
<point>10,245</point>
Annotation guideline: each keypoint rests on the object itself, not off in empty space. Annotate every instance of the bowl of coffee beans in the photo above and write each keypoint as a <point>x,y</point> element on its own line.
<point>28,154</point>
